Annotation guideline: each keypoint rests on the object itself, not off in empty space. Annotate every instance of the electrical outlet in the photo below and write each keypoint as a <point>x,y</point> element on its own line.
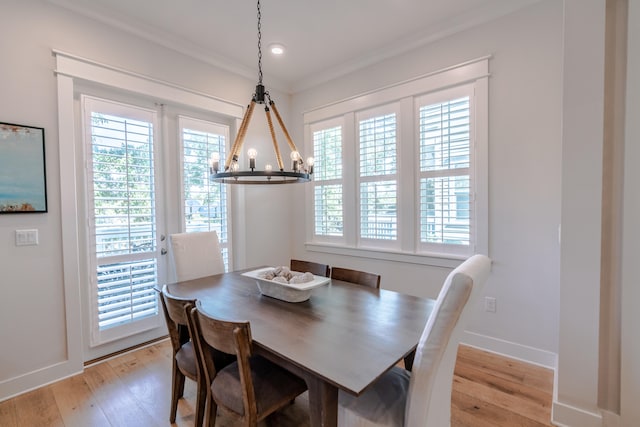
<point>490,304</point>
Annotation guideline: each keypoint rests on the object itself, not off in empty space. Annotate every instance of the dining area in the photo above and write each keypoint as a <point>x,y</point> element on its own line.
<point>362,354</point>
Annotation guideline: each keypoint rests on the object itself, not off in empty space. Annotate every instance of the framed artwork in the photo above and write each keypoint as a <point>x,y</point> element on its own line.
<point>23,184</point>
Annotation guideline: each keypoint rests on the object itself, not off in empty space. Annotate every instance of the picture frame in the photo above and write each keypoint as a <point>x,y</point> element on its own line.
<point>23,178</point>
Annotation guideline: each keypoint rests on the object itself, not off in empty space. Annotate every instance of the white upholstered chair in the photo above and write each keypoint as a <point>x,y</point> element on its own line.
<point>422,397</point>
<point>196,255</point>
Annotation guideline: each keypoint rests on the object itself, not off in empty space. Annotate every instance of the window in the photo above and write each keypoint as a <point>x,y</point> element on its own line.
<point>205,202</point>
<point>327,188</point>
<point>445,182</point>
<point>377,136</point>
<point>122,210</point>
<point>412,162</point>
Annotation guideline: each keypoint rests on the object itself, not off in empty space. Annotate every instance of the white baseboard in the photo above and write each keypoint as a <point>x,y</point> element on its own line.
<point>564,415</point>
<point>24,383</point>
<point>609,419</point>
<point>510,349</point>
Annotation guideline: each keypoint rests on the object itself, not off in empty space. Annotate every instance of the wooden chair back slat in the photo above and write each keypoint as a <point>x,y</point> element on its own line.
<point>220,333</point>
<point>175,317</point>
<point>357,277</point>
<point>310,266</point>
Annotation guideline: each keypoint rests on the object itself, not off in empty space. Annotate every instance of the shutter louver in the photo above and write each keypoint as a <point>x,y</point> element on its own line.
<point>378,188</point>
<point>124,219</point>
<point>445,199</point>
<point>327,152</point>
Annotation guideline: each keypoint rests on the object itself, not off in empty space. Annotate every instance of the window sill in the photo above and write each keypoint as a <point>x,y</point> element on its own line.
<point>430,259</point>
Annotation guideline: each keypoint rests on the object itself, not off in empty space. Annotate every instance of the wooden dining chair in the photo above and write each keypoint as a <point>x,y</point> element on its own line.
<point>422,397</point>
<point>251,388</point>
<point>184,360</point>
<point>310,266</point>
<point>196,255</point>
<point>354,276</point>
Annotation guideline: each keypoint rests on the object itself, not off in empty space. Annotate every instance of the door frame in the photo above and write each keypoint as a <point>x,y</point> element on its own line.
<point>73,72</point>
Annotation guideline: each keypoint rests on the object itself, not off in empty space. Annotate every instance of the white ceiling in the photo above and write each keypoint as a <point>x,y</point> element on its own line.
<point>324,38</point>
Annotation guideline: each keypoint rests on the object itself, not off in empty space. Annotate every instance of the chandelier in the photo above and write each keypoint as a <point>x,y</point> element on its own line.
<point>230,172</point>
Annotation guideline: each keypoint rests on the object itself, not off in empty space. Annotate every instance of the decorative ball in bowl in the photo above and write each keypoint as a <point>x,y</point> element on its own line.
<point>286,285</point>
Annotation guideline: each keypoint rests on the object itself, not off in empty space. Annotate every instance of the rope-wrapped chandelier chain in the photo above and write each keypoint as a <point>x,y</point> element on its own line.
<point>274,140</point>
<point>242,131</point>
<point>292,145</point>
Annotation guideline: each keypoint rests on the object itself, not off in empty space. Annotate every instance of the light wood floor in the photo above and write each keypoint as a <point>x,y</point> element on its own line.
<point>133,390</point>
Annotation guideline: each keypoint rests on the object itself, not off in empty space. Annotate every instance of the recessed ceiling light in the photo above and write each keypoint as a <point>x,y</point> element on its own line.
<point>276,49</point>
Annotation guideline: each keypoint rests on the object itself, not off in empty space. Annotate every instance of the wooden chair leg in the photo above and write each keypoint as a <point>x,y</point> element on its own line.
<point>211,411</point>
<point>177,390</point>
<point>201,402</point>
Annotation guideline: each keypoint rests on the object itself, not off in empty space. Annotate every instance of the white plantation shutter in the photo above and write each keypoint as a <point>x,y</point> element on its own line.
<point>414,169</point>
<point>123,229</point>
<point>445,209</point>
<point>377,135</point>
<point>125,292</point>
<point>205,202</point>
<point>328,185</point>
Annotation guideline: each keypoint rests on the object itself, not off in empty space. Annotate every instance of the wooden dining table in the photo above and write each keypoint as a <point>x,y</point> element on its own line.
<point>343,337</point>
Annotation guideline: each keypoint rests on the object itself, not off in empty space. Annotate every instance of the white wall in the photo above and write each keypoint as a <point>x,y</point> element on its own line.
<point>32,308</point>
<point>525,91</point>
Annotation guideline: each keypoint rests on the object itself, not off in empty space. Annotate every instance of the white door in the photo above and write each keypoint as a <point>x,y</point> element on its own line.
<point>124,236</point>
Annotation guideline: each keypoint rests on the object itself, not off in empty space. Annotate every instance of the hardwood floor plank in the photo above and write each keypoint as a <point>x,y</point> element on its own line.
<point>117,402</point>
<point>134,389</point>
<point>509,369</point>
<point>505,400</point>
<point>76,403</point>
<point>469,411</point>
<point>8,416</point>
<point>38,408</point>
<point>531,401</point>
<point>148,384</point>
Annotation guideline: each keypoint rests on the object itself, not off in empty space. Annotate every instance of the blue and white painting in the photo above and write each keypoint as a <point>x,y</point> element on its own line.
<point>22,169</point>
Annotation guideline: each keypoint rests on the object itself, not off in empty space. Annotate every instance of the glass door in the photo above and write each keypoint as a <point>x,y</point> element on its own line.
<point>124,243</point>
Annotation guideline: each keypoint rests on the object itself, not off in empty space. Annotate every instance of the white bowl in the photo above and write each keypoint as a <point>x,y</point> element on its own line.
<point>290,292</point>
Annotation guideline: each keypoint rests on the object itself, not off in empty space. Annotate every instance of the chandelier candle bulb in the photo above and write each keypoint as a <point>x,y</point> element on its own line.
<point>215,162</point>
<point>252,153</point>
<point>295,157</point>
<point>310,163</point>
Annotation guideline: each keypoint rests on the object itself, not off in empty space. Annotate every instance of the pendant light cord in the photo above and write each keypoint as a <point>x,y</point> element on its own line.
<point>259,45</point>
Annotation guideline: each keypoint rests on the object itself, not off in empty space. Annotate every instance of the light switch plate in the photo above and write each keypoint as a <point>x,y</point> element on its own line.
<point>26,237</point>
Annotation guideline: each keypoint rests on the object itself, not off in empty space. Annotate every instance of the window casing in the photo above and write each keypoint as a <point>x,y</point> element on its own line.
<point>414,181</point>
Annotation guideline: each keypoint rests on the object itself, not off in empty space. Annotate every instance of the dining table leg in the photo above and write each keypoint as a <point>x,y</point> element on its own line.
<point>323,403</point>
<point>408,360</point>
